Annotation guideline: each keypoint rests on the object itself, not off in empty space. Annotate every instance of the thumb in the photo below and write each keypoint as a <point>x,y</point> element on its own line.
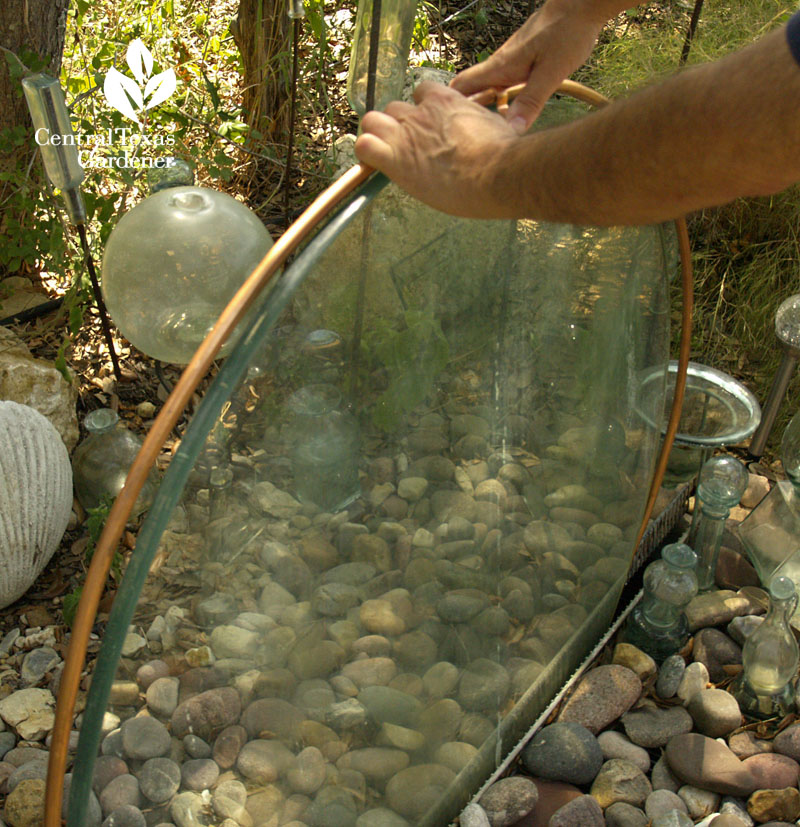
<point>528,104</point>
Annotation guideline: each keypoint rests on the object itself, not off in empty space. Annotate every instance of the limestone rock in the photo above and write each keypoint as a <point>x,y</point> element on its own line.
<point>37,383</point>
<point>774,805</point>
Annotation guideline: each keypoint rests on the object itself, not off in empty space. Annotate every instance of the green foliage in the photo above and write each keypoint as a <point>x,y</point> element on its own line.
<point>413,357</point>
<point>95,522</point>
<point>198,121</point>
<point>69,607</point>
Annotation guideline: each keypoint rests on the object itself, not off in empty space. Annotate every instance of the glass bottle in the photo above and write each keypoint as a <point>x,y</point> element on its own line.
<point>100,463</point>
<point>50,118</point>
<point>658,624</point>
<point>324,448</point>
<point>722,482</point>
<point>173,263</point>
<point>770,657</point>
<point>771,532</point>
<point>169,172</point>
<point>395,22</point>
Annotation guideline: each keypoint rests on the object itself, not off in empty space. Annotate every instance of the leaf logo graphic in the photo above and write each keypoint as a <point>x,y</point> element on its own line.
<point>129,96</point>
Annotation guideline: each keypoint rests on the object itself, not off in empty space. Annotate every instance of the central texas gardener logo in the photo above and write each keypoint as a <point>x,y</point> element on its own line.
<point>148,90</point>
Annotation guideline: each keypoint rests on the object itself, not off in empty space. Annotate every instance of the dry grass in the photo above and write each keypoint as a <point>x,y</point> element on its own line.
<point>746,254</point>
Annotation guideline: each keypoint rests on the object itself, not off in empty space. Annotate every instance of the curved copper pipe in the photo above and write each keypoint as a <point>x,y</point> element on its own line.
<point>164,423</point>
<point>680,377</point>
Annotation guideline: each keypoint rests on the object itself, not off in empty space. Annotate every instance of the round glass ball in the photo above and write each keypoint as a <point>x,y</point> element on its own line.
<point>173,263</point>
<point>787,322</point>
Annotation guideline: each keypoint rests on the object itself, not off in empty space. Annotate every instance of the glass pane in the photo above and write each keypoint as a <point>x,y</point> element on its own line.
<point>410,505</point>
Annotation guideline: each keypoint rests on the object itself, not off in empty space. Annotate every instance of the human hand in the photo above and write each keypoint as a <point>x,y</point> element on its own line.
<point>442,151</point>
<point>548,47</point>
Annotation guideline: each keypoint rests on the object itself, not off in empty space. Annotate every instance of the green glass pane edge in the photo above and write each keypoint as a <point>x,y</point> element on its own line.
<point>173,484</point>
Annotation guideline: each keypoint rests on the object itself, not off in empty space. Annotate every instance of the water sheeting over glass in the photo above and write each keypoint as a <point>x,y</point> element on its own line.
<point>399,519</point>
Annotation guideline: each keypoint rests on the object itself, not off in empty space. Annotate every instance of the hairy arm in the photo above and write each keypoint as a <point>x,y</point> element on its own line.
<point>705,136</point>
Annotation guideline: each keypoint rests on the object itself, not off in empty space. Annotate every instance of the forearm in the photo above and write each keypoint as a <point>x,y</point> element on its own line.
<point>704,137</point>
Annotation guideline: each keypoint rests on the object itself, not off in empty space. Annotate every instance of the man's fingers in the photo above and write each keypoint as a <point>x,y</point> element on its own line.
<point>528,104</point>
<point>430,90</point>
<point>381,124</point>
<point>374,151</point>
<point>399,110</point>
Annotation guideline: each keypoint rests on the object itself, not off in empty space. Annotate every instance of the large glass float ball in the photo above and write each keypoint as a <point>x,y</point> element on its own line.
<point>173,263</point>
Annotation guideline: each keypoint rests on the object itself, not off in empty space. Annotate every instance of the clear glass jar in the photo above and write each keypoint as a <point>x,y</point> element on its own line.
<point>324,448</point>
<point>771,532</point>
<point>770,657</point>
<point>101,462</point>
<point>658,625</point>
<point>722,482</point>
<point>395,26</point>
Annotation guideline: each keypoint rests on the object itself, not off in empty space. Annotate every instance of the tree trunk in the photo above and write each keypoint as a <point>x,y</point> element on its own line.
<point>33,31</point>
<point>28,26</point>
<point>263,35</point>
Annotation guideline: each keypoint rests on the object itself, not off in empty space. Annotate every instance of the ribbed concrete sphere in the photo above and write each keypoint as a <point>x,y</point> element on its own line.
<point>35,496</point>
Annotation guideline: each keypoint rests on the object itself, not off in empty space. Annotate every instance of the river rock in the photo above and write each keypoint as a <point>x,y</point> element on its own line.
<point>162,696</point>
<point>144,737</point>
<point>635,659</point>
<point>159,779</point>
<point>378,764</point>
<point>651,726</point>
<point>622,814</point>
<point>662,801</point>
<point>744,744</point>
<point>715,649</point>
<point>604,694</point>
<point>706,763</point>
<point>773,771</point>
<point>695,679</point>
<point>414,791</point>
<point>207,713</point>
<point>740,628</point>
<point>188,809</point>
<point>699,803</point>
<point>379,617</point>
<point>484,685</point>
<point>124,789</point>
<point>619,780</point>
<point>715,712</point>
<point>616,745</point>
<point>716,608</point>
<point>264,761</point>
<point>199,774</point>
<point>387,705</point>
<point>581,812</point>
<point>473,815</point>
<point>670,675</point>
<point>228,744</point>
<point>775,805</point>
<point>787,742</point>
<point>509,799</point>
<point>125,816</point>
<point>563,751</point>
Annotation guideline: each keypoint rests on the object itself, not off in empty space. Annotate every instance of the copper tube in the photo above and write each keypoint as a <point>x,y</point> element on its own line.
<point>680,377</point>
<point>164,423</point>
